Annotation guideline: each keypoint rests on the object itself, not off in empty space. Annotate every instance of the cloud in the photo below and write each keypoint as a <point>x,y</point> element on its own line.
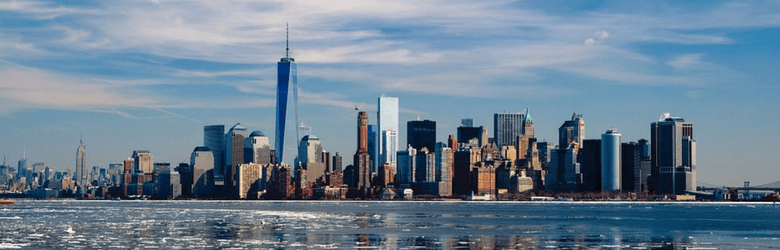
<point>687,61</point>
<point>590,41</point>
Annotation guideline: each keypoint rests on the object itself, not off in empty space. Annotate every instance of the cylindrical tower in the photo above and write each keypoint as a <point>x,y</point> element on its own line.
<point>610,160</point>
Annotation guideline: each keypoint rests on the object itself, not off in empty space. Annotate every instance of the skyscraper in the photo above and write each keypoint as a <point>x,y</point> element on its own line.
<point>372,140</point>
<point>610,161</point>
<point>214,139</point>
<point>572,131</point>
<point>362,163</point>
<point>286,136</point>
<point>257,148</point>
<point>421,134</point>
<point>506,128</point>
<point>234,153</point>
<point>387,132</point>
<point>202,164</point>
<point>310,156</point>
<point>673,155</point>
<point>143,161</point>
<point>81,165</point>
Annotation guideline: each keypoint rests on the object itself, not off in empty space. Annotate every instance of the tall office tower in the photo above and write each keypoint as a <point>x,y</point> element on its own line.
<point>467,122</point>
<point>506,128</point>
<point>571,131</point>
<point>337,163</point>
<point>478,134</point>
<point>310,156</point>
<point>421,134</point>
<point>544,152</point>
<point>443,162</point>
<point>463,161</point>
<point>425,166</point>
<point>631,167</point>
<point>143,160</point>
<point>22,166</point>
<point>257,148</point>
<point>326,161</point>
<point>372,141</point>
<point>528,124</point>
<point>286,136</point>
<point>406,167</point>
<point>564,171</point>
<point>673,155</point>
<point>235,139</point>
<point>590,165</point>
<point>202,164</point>
<point>452,143</point>
<point>248,178</point>
<point>532,154</point>
<point>389,148</point>
<point>214,139</point>
<point>644,171</point>
<point>610,160</point>
<point>81,165</point>
<point>362,163</point>
<point>387,132</point>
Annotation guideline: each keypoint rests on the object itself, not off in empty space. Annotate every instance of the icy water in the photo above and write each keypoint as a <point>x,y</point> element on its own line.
<point>387,225</point>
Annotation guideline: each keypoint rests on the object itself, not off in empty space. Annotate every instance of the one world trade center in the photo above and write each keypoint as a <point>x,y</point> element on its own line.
<point>286,109</point>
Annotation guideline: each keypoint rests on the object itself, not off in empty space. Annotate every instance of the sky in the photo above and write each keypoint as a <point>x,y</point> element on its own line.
<point>128,75</point>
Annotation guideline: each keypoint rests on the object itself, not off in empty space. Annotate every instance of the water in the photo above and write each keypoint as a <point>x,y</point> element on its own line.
<point>387,225</point>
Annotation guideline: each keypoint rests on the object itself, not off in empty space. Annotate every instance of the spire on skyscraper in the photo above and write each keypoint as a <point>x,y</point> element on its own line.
<point>287,44</point>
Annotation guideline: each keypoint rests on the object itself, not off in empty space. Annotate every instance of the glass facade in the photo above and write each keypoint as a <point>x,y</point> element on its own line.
<point>286,132</point>
<point>387,133</point>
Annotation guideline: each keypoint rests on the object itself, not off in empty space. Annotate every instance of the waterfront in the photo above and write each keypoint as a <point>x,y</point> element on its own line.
<point>266,224</point>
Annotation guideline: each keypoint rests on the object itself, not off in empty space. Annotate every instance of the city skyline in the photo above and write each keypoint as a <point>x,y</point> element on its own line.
<point>152,77</point>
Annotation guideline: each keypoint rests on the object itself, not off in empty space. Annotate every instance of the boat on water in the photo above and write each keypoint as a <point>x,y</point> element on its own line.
<point>6,202</point>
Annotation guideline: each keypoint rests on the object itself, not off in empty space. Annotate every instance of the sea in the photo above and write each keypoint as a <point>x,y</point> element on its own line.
<point>75,224</point>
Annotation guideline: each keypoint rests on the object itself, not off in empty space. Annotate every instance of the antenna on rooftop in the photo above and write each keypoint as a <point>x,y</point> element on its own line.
<point>288,41</point>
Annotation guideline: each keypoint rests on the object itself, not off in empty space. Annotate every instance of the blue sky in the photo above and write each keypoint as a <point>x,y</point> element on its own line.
<point>150,74</point>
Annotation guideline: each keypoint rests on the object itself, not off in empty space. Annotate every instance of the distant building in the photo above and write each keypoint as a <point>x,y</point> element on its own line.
<point>467,122</point>
<point>443,162</point>
<point>257,148</point>
<point>506,128</point>
<point>630,157</point>
<point>406,166</point>
<point>286,135</point>
<point>214,139</point>
<point>202,164</point>
<point>479,134</point>
<point>249,178</point>
<point>421,134</point>
<point>234,154</point>
<point>590,157</point>
<point>372,144</point>
<point>610,160</point>
<point>387,132</point>
<point>143,160</point>
<point>81,165</point>
<point>673,155</point>
<point>572,131</point>
<point>337,163</point>
<point>361,176</point>
<point>310,156</point>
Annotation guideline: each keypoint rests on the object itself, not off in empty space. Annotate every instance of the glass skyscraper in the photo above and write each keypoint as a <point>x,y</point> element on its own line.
<point>286,136</point>
<point>387,134</point>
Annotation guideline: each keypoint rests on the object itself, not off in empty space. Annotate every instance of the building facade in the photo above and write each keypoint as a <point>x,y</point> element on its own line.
<point>610,160</point>
<point>673,155</point>
<point>421,134</point>
<point>387,131</point>
<point>286,132</point>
